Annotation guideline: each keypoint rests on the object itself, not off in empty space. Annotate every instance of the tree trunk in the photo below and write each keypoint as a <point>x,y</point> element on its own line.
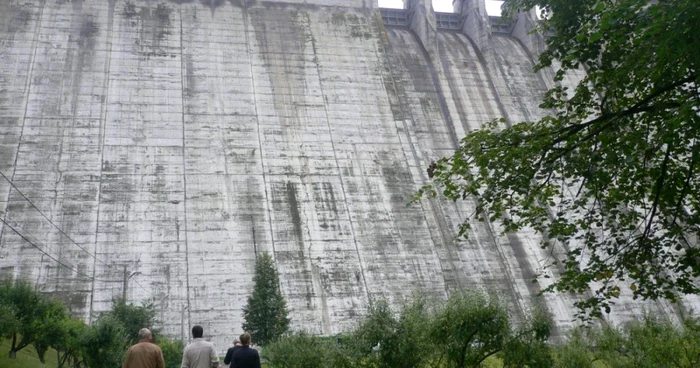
<point>463,358</point>
<point>41,352</point>
<point>13,352</point>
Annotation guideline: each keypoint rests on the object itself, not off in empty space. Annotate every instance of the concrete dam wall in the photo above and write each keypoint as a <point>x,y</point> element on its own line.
<point>152,148</point>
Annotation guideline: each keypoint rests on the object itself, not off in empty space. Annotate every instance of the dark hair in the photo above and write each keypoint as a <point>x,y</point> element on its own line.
<point>245,339</point>
<point>197,331</point>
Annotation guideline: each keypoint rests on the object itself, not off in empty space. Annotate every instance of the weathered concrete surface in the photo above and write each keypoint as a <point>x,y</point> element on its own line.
<point>170,141</point>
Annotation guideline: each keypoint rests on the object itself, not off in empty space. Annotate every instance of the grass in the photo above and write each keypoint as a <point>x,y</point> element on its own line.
<point>26,358</point>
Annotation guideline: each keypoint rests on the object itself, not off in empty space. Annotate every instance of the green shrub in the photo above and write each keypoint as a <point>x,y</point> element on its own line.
<point>172,351</point>
<point>650,342</point>
<point>299,350</point>
<point>133,318</point>
<point>470,328</point>
<point>401,341</point>
<point>575,353</point>
<point>105,343</point>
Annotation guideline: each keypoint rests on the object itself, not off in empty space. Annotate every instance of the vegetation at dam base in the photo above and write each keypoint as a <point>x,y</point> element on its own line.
<point>30,320</point>
<point>476,330</point>
<point>470,329</point>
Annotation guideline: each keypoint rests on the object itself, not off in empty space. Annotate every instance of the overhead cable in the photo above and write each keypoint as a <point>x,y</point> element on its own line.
<point>47,254</point>
<point>51,222</point>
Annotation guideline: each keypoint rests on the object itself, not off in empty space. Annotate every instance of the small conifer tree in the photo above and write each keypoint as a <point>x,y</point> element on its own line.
<point>265,314</point>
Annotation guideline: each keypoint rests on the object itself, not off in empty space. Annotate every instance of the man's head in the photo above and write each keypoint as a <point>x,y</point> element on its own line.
<point>245,339</point>
<point>145,335</point>
<point>236,342</point>
<point>197,331</point>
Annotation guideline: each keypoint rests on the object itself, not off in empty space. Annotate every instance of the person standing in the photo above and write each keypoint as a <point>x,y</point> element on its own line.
<point>231,350</point>
<point>245,356</point>
<point>199,353</point>
<point>145,354</point>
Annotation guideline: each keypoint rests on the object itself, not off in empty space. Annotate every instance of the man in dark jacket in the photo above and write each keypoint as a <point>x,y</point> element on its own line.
<point>231,350</point>
<point>245,356</point>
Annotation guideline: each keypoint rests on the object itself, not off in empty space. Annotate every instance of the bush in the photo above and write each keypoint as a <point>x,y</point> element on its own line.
<point>172,351</point>
<point>575,353</point>
<point>527,345</point>
<point>30,318</point>
<point>300,350</point>
<point>400,341</point>
<point>133,318</point>
<point>471,327</point>
<point>105,343</point>
<point>650,342</point>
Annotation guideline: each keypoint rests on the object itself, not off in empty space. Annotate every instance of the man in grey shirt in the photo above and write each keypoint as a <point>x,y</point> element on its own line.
<point>199,353</point>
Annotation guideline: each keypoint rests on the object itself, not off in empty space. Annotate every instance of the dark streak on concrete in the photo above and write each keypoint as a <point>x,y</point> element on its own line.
<point>285,88</point>
<point>154,27</point>
<point>294,212</point>
<point>440,93</point>
<point>190,80</point>
<point>212,4</point>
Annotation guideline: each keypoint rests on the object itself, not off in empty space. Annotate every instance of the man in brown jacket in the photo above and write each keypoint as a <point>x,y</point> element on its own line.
<point>145,354</point>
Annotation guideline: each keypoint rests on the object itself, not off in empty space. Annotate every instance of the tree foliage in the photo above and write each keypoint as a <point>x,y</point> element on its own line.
<point>300,350</point>
<point>9,324</point>
<point>27,306</point>
<point>134,317</point>
<point>398,340</point>
<point>472,326</point>
<point>105,343</point>
<point>464,332</point>
<point>649,342</point>
<point>172,351</point>
<point>28,317</point>
<point>69,343</point>
<point>575,353</point>
<point>48,327</point>
<point>611,175</point>
<point>265,313</point>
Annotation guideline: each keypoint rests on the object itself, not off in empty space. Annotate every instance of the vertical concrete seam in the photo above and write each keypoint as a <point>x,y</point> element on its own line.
<point>488,224</point>
<point>257,121</point>
<point>444,109</point>
<point>103,134</point>
<point>544,84</point>
<point>335,158</point>
<point>450,122</point>
<point>489,79</point>
<point>424,180</point>
<point>27,88</point>
<point>184,169</point>
<point>533,61</point>
<point>445,112</point>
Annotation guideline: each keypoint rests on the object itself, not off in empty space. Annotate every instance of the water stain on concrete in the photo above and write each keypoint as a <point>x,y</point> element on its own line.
<point>294,211</point>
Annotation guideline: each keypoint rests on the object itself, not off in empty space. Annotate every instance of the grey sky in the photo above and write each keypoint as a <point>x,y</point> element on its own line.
<point>492,7</point>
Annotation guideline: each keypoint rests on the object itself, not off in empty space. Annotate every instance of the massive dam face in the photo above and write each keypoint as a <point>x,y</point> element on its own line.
<point>152,148</point>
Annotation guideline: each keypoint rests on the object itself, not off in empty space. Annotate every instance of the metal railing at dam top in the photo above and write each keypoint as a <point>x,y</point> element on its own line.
<point>445,21</point>
<point>499,25</point>
<point>395,17</point>
<point>450,21</point>
<point>402,17</point>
